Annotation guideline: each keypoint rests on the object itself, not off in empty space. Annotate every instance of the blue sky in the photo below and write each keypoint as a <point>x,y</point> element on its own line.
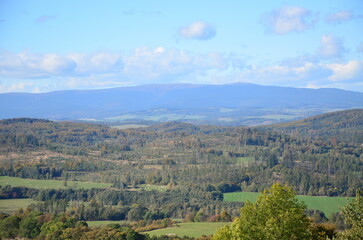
<point>58,45</point>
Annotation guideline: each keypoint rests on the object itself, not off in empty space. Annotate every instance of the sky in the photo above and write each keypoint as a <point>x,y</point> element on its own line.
<point>49,45</point>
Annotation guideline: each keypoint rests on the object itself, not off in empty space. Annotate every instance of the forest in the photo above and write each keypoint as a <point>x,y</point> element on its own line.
<point>188,167</point>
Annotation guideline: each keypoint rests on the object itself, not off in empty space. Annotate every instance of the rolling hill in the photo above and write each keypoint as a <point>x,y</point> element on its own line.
<point>342,126</point>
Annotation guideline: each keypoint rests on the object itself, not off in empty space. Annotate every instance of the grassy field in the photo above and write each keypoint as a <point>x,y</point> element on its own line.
<point>103,223</point>
<point>190,229</point>
<point>49,184</point>
<point>328,205</point>
<point>12,205</point>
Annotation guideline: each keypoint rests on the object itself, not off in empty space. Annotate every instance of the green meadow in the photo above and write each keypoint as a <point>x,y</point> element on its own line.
<point>12,205</point>
<point>104,223</point>
<point>190,229</point>
<point>328,205</point>
<point>49,184</point>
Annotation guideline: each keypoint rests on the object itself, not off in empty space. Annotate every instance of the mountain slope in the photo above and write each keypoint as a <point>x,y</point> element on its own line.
<point>106,103</point>
<point>342,126</point>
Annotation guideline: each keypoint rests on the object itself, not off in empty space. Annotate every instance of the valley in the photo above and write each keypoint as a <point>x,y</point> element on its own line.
<point>195,173</point>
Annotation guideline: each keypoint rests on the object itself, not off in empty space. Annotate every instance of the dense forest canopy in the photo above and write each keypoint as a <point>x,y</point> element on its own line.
<point>189,167</point>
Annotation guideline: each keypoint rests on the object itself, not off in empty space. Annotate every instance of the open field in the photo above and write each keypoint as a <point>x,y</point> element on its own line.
<point>12,205</point>
<point>49,184</point>
<point>328,205</point>
<point>190,229</point>
<point>103,223</point>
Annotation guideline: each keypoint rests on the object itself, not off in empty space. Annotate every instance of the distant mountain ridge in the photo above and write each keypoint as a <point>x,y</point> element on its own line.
<point>237,98</point>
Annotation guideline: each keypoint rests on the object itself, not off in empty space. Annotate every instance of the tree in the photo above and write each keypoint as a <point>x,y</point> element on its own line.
<point>9,227</point>
<point>29,226</point>
<point>353,215</point>
<point>276,215</point>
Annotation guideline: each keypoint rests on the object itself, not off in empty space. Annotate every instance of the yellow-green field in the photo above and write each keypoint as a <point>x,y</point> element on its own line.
<point>13,205</point>
<point>49,184</point>
<point>190,229</point>
<point>328,205</point>
<point>103,223</point>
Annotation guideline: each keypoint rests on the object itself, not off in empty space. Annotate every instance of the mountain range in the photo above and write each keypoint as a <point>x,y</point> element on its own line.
<point>230,104</point>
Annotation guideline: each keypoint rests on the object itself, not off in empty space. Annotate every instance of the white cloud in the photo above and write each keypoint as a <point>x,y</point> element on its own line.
<point>45,72</point>
<point>288,19</point>
<point>339,17</point>
<point>170,65</point>
<point>351,71</point>
<point>29,65</point>
<point>331,47</point>
<point>198,31</point>
<point>143,65</point>
<point>100,62</point>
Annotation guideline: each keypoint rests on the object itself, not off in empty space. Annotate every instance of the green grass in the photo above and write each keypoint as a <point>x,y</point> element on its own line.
<point>190,229</point>
<point>103,223</point>
<point>328,205</point>
<point>13,205</point>
<point>49,184</point>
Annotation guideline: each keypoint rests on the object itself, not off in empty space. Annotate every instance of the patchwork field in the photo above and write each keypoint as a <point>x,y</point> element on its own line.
<point>49,184</point>
<point>328,205</point>
<point>12,205</point>
<point>190,229</point>
<point>103,223</point>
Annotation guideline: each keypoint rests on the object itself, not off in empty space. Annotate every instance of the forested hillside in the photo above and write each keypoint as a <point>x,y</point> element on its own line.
<point>342,126</point>
<point>177,154</point>
<point>173,169</point>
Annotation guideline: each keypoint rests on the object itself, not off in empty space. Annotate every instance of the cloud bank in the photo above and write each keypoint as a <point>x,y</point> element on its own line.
<point>26,71</point>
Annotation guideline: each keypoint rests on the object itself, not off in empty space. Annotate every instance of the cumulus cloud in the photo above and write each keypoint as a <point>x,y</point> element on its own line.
<point>29,65</point>
<point>169,64</point>
<point>143,65</point>
<point>198,31</point>
<point>95,63</point>
<point>26,71</point>
<point>331,47</point>
<point>288,19</point>
<point>351,71</point>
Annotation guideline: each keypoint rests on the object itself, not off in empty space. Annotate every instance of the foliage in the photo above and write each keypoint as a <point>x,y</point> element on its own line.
<point>353,215</point>
<point>277,214</point>
<point>323,231</point>
<point>328,205</point>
